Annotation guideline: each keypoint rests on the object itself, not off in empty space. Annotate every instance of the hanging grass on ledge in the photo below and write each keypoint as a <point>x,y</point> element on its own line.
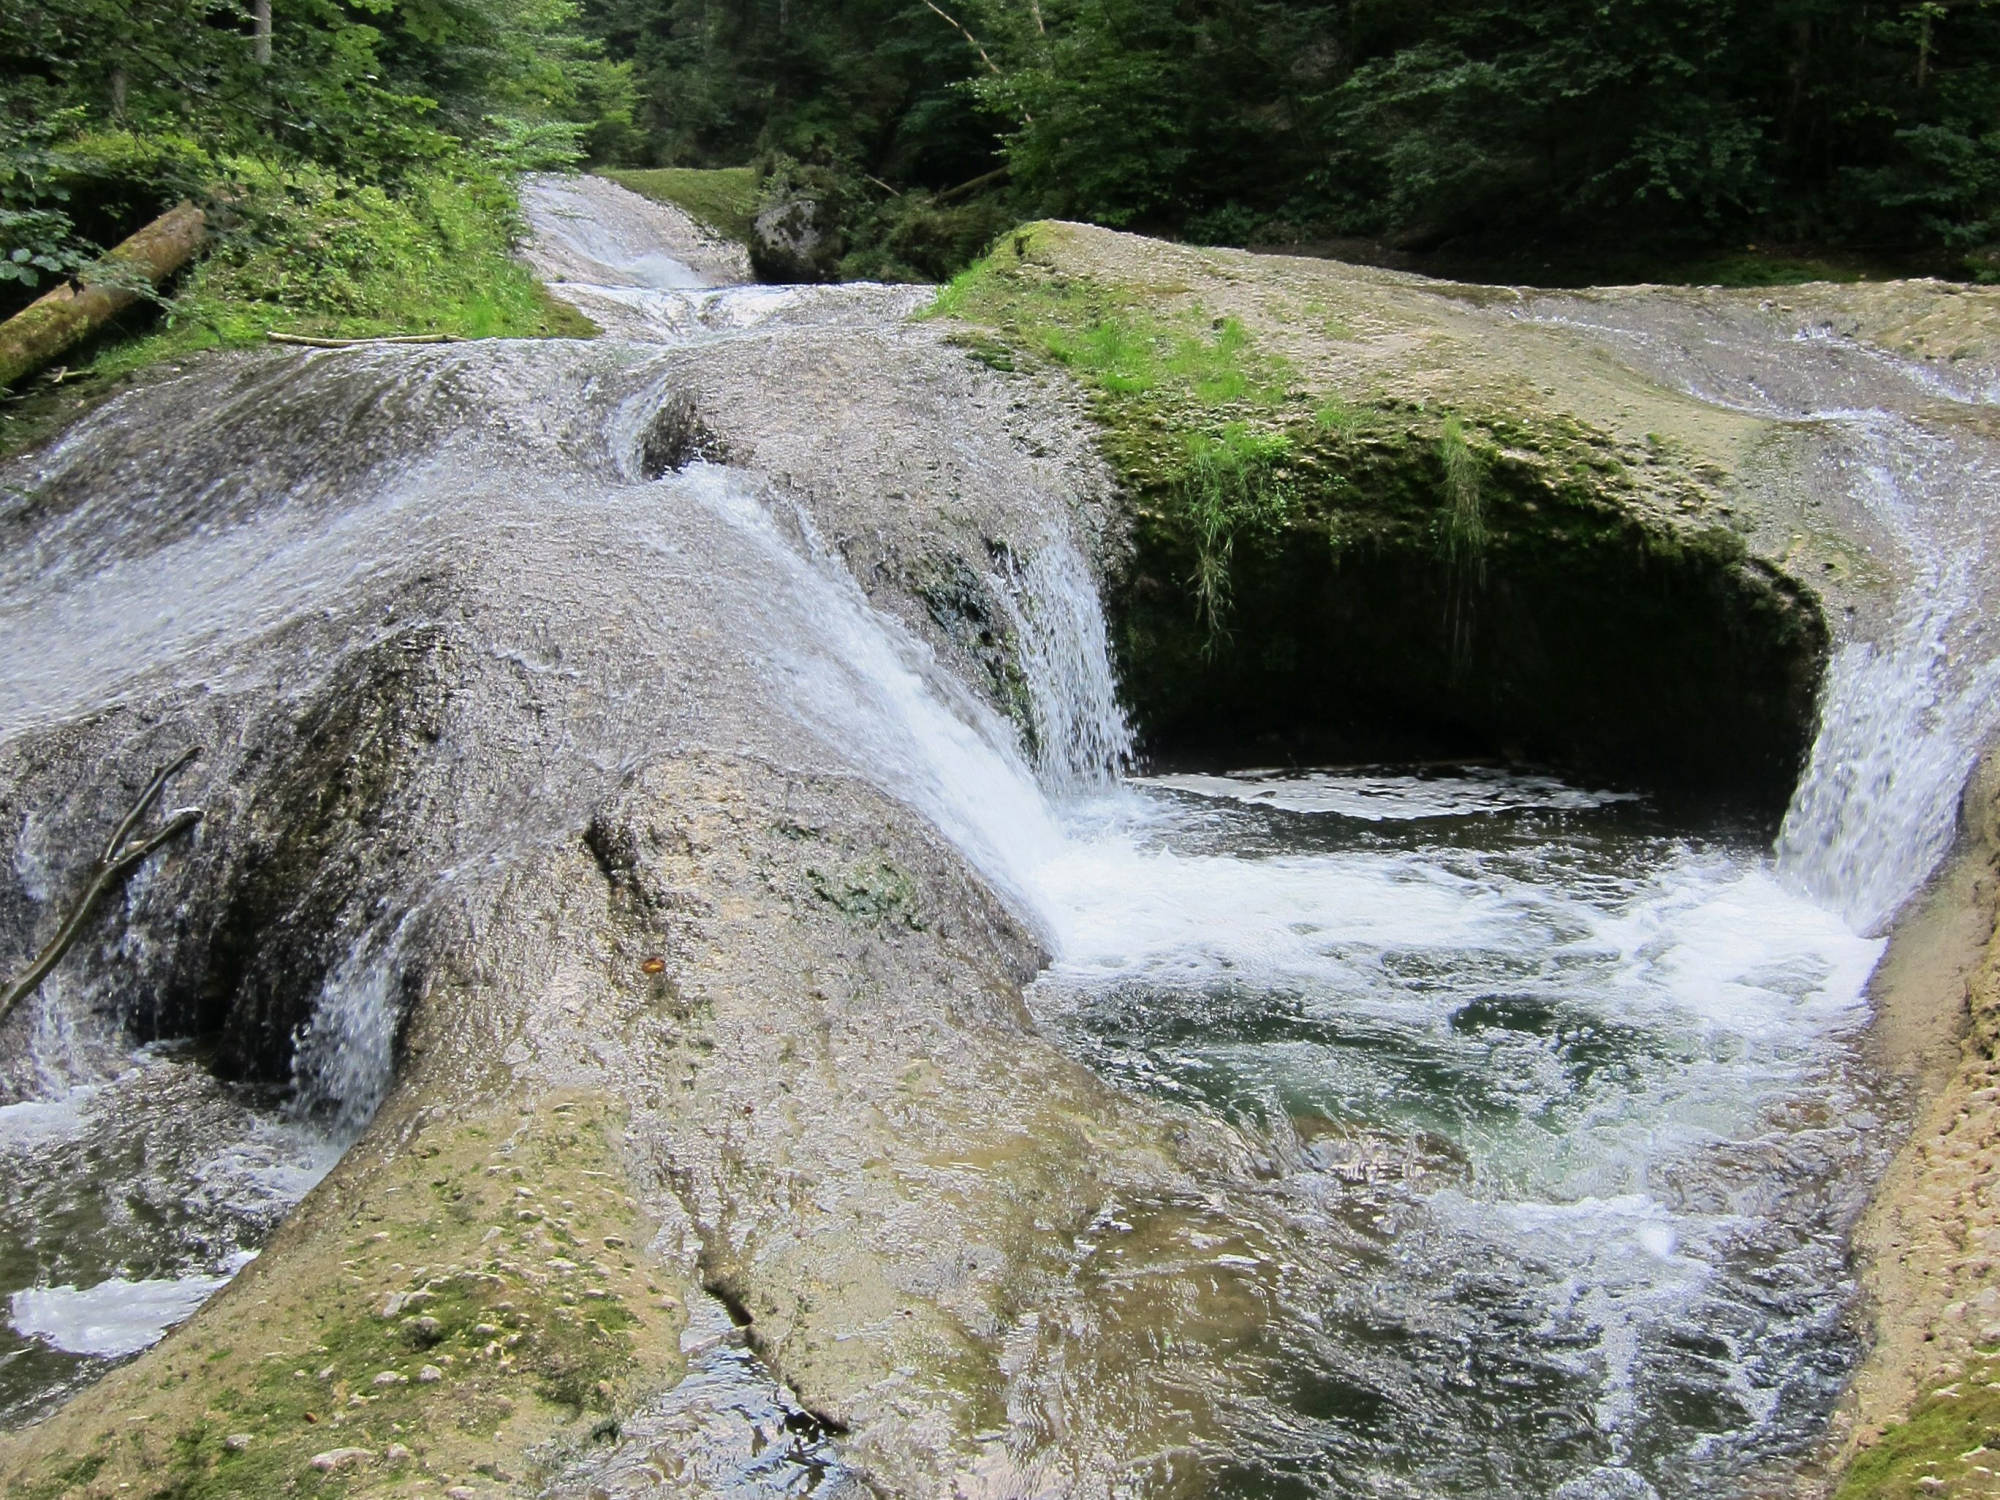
<point>1231,484</point>
<point>1223,401</point>
<point>1465,511</point>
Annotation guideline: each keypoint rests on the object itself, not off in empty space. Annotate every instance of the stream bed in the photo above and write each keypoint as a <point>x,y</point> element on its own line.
<point>1556,1097</point>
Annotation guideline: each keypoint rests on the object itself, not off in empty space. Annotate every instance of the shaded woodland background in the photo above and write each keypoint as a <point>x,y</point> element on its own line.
<point>366,164</point>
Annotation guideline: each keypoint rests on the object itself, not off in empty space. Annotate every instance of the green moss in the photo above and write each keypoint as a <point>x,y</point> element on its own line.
<point>62,1480</point>
<point>722,199</point>
<point>1494,578</point>
<point>305,251</point>
<point>872,893</point>
<point>1111,338</point>
<point>1198,418</point>
<point>496,1262</point>
<point>1951,1435</point>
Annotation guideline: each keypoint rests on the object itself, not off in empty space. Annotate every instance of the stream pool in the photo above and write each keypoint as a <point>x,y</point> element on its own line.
<point>1562,1096</point>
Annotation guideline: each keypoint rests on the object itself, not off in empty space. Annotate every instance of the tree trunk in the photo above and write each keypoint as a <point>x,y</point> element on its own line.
<point>260,45</point>
<point>43,329</point>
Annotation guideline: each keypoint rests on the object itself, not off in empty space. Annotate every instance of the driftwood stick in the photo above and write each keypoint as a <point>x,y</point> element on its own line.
<point>117,861</point>
<point>144,805</point>
<point>386,338</point>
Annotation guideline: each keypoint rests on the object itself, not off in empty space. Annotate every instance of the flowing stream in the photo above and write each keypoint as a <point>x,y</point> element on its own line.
<point>1560,1095</point>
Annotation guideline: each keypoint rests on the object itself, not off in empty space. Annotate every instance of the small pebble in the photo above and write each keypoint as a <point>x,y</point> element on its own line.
<point>392,1377</point>
<point>397,1454</point>
<point>236,1442</point>
<point>336,1459</point>
<point>430,1375</point>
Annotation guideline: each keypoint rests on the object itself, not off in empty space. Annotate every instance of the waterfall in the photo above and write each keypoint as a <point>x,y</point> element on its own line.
<point>1082,741</point>
<point>1877,808</point>
<point>1902,453</point>
<point>343,1057</point>
<point>857,678</point>
<point>1903,717</point>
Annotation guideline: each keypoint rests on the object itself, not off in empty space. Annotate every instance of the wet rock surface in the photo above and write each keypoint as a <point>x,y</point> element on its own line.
<point>511,800</point>
<point>545,838</point>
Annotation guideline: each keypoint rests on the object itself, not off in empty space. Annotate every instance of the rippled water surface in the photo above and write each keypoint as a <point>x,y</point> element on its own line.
<point>124,1204</point>
<point>1563,1101</point>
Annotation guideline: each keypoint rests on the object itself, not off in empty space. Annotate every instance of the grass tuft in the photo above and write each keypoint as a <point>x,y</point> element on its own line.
<point>1182,372</point>
<point>1950,1445</point>
<point>1230,483</point>
<point>1465,508</point>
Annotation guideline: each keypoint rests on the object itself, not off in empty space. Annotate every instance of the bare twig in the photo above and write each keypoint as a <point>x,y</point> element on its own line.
<point>386,338</point>
<point>117,861</point>
<point>952,21</point>
<point>985,179</point>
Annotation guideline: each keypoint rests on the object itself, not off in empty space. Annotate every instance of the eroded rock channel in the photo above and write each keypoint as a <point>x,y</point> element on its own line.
<point>668,820</point>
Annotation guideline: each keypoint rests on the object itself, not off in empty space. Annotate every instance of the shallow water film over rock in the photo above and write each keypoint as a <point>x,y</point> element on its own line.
<point>685,981</point>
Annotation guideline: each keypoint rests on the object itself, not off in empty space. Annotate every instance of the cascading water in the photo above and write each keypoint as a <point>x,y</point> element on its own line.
<point>1556,1102</point>
<point>1912,699</point>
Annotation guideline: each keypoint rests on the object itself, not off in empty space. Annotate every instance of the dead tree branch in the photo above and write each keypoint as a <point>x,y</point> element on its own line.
<point>53,322</point>
<point>952,21</point>
<point>117,861</point>
<point>383,338</point>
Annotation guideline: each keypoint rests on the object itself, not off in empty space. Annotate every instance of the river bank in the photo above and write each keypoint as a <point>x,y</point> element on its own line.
<point>1918,1417</point>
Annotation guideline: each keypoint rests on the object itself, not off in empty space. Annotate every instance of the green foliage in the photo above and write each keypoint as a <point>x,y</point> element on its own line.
<point>1223,477</point>
<point>1230,484</point>
<point>311,252</point>
<point>38,239</point>
<point>356,179</point>
<point>1465,510</point>
<point>1111,339</point>
<point>913,236</point>
<point>1505,133</point>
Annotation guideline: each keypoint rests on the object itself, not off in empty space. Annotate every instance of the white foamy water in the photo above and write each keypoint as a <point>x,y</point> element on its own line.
<point>1376,797</point>
<point>116,1317</point>
<point>600,247</point>
<point>124,1204</point>
<point>1619,1035</point>
<point>1624,1052</point>
<point>1908,704</point>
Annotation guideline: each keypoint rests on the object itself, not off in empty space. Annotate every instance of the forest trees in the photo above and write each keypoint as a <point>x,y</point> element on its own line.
<point>1490,125</point>
<point>269,110</point>
<point>1466,131</point>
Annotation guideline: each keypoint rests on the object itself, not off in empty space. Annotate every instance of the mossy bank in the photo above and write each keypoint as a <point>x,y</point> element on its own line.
<point>1376,515</point>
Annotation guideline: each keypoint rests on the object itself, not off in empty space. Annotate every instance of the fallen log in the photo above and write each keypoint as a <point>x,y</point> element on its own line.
<point>117,861</point>
<point>49,325</point>
<point>381,338</point>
